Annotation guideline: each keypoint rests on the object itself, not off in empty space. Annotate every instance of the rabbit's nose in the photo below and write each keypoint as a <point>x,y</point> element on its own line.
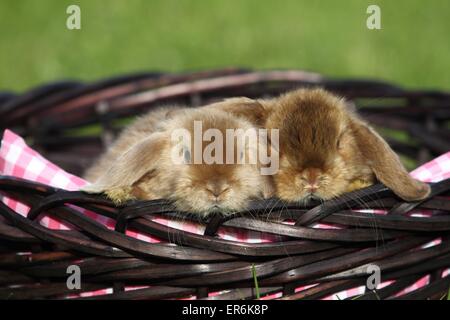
<point>217,190</point>
<point>311,179</point>
<point>312,187</point>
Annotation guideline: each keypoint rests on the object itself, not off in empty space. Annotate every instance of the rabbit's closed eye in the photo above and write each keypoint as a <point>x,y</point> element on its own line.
<point>186,155</point>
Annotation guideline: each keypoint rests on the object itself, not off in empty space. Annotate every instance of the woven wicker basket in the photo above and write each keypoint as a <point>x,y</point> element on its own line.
<point>70,123</point>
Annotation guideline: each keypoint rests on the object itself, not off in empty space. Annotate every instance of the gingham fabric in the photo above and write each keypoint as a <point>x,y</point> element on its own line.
<point>19,160</point>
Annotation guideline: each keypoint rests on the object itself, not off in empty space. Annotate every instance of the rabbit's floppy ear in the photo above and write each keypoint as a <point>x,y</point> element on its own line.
<point>385,164</point>
<point>118,181</point>
<point>249,109</point>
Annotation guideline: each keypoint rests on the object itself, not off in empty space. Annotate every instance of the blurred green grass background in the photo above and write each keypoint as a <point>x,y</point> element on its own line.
<point>326,36</point>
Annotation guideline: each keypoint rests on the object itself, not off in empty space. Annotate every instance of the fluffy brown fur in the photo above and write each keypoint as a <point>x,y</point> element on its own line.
<point>325,148</point>
<point>139,165</point>
<point>140,129</point>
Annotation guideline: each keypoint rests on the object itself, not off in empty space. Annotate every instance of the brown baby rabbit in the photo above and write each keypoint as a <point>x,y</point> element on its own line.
<point>141,165</point>
<point>325,149</point>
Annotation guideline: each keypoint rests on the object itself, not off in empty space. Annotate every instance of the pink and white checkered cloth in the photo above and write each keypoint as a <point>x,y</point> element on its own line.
<point>19,160</point>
